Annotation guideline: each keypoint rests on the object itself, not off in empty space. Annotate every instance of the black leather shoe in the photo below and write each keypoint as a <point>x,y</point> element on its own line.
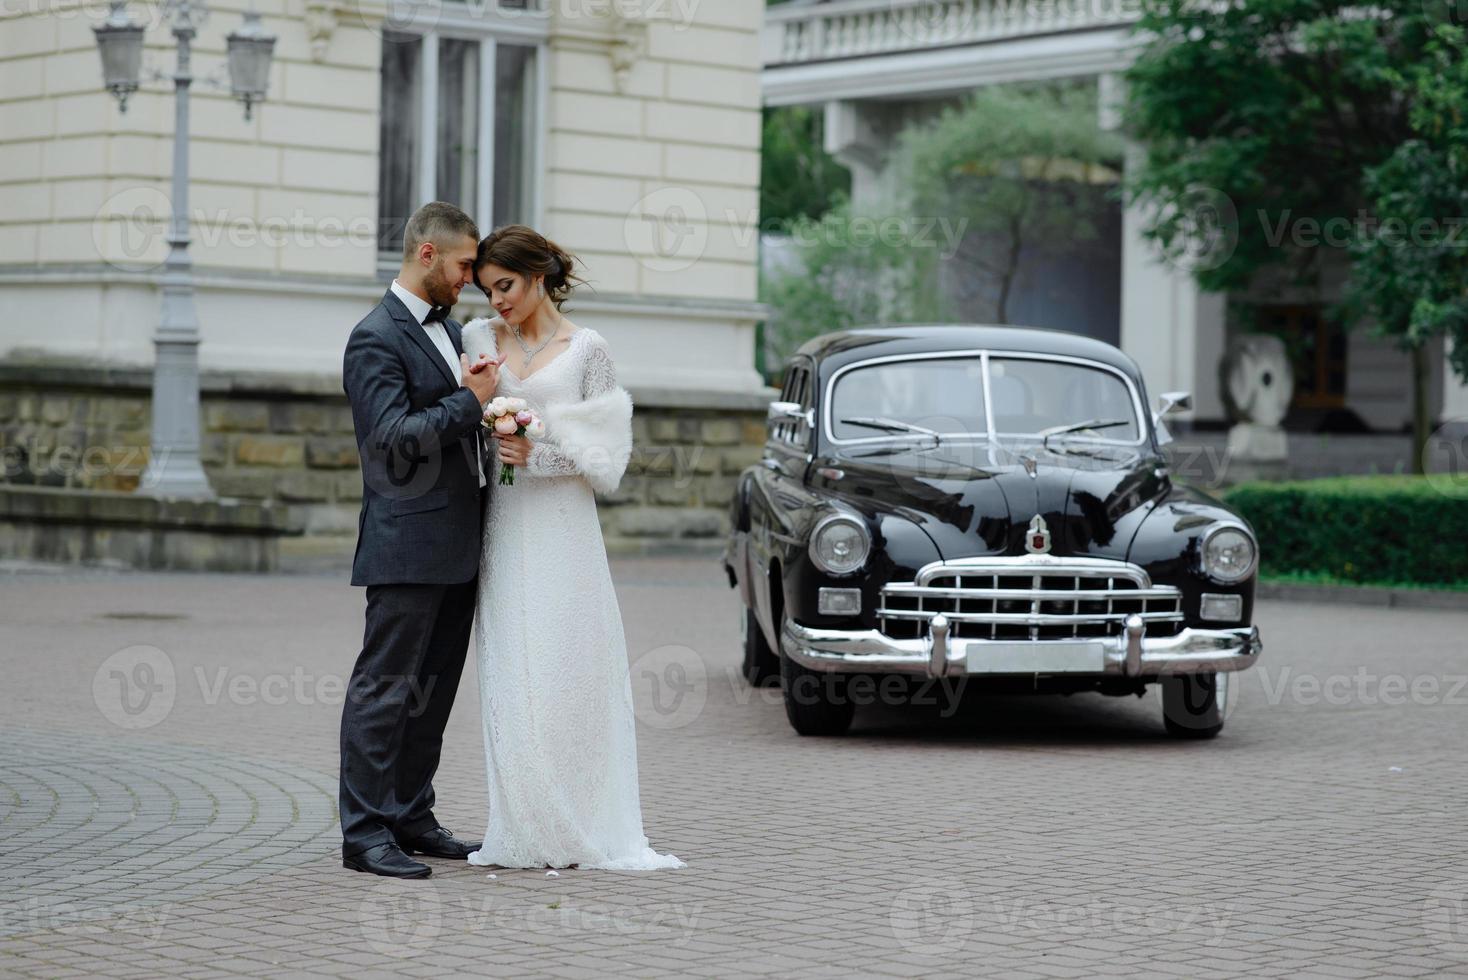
<point>387,860</point>
<point>440,843</point>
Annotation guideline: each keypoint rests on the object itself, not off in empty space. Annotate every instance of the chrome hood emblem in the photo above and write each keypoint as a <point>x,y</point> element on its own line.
<point>1037,537</point>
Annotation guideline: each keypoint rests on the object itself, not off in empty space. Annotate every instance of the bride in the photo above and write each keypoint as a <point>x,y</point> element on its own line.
<point>559,739</point>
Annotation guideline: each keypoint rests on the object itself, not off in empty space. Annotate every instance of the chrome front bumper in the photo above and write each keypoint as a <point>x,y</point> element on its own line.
<point>1132,654</point>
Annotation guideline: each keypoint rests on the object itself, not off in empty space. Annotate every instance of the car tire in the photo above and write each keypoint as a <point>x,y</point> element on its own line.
<point>761,665</point>
<point>1194,705</point>
<point>815,700</point>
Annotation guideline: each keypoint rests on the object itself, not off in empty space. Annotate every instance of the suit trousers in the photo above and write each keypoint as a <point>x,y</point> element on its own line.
<point>397,705</point>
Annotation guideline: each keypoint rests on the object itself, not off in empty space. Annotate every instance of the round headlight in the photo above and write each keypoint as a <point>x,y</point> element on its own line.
<point>1228,554</point>
<point>839,545</point>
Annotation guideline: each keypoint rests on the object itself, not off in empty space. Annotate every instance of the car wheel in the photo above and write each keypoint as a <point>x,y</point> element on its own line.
<point>1194,705</point>
<point>815,700</point>
<point>761,666</point>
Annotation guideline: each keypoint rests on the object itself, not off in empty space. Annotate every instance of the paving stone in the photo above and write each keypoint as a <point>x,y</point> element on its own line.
<point>1020,837</point>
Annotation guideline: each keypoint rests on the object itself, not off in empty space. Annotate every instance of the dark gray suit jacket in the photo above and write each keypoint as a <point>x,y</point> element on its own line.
<point>416,436</point>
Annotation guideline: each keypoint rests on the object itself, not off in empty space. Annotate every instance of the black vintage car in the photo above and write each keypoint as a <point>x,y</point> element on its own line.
<point>989,506</point>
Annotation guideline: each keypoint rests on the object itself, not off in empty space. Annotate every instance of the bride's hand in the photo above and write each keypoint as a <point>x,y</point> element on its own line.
<point>514,450</point>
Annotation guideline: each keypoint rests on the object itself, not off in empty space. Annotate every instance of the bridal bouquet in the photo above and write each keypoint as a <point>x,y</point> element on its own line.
<point>511,417</point>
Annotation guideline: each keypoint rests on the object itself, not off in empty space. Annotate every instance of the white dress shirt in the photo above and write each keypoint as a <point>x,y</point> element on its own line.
<point>420,308</point>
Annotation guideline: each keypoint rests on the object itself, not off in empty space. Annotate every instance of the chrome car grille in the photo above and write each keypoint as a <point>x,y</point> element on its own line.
<point>1038,597</point>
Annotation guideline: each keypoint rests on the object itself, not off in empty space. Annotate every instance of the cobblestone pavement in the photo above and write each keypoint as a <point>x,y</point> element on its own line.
<point>167,786</point>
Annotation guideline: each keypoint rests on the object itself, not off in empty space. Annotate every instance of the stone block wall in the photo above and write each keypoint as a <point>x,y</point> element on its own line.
<point>113,529</point>
<point>289,440</point>
<point>681,477</point>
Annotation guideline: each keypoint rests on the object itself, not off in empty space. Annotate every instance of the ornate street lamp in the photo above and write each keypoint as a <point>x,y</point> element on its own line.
<point>174,468</point>
<point>250,50</point>
<point>120,39</point>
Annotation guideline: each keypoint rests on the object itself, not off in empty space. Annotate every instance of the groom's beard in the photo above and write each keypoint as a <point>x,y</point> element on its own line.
<point>436,285</point>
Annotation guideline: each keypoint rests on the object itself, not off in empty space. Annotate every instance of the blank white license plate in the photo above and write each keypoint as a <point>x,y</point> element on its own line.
<point>1054,657</point>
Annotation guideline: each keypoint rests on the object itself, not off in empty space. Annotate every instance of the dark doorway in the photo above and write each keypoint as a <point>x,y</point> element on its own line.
<point>1317,348</point>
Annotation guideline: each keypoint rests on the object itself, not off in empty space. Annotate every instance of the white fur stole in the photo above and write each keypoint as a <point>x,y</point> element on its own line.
<point>595,434</point>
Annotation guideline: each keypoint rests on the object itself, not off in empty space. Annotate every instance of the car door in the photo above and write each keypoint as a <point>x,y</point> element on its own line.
<point>778,497</point>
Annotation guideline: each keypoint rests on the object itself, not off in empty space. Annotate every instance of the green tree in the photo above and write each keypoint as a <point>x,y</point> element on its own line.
<point>847,272</point>
<point>1013,165</point>
<point>1267,119</point>
<point>798,178</point>
<point>1411,266</point>
<point>1007,163</point>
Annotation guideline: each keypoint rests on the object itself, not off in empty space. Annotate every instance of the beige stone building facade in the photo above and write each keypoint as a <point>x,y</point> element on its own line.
<point>627,131</point>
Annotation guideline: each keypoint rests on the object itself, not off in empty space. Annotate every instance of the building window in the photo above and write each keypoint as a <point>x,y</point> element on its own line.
<point>459,106</point>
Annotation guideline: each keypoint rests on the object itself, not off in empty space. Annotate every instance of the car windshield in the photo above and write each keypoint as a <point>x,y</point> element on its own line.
<point>946,396</point>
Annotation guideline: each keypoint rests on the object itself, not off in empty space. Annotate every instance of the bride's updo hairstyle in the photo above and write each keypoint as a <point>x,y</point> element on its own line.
<point>526,251</point>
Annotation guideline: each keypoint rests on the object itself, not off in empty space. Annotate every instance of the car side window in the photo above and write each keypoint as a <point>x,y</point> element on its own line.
<point>777,431</point>
<point>797,389</point>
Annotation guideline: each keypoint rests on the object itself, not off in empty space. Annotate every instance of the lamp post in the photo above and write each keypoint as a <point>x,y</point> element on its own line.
<point>174,468</point>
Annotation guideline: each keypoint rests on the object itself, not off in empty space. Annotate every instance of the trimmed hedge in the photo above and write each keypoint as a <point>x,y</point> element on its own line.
<point>1358,528</point>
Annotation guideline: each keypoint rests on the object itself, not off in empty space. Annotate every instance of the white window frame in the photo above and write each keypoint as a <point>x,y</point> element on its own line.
<point>484,22</point>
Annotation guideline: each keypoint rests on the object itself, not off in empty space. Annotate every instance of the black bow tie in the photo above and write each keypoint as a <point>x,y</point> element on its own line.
<point>436,315</point>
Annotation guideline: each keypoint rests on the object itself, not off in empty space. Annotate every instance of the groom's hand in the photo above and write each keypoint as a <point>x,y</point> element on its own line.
<point>481,378</point>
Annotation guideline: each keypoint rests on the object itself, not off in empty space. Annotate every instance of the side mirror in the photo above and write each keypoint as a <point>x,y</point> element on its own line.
<point>1173,401</point>
<point>789,412</point>
<point>1167,403</point>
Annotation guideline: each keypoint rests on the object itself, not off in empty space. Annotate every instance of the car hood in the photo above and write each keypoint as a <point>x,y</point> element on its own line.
<point>971,503</point>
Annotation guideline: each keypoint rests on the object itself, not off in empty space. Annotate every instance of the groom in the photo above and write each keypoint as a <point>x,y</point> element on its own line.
<point>416,406</point>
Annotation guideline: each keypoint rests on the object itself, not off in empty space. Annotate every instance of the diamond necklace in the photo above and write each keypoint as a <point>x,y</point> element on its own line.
<point>530,354</point>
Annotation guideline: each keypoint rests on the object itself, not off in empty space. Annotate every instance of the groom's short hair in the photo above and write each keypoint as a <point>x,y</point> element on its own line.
<point>437,222</point>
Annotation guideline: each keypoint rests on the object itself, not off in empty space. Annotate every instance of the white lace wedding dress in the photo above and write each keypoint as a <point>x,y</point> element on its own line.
<point>559,738</point>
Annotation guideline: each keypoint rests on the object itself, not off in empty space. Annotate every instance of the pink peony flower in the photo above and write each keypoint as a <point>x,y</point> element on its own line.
<point>506,425</point>
<point>524,417</point>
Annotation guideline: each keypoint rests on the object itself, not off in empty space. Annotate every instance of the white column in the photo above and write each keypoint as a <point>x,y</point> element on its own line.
<point>428,122</point>
<point>1170,327</point>
<point>1455,393</point>
<point>1173,329</point>
<point>851,138</point>
<point>484,215</point>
